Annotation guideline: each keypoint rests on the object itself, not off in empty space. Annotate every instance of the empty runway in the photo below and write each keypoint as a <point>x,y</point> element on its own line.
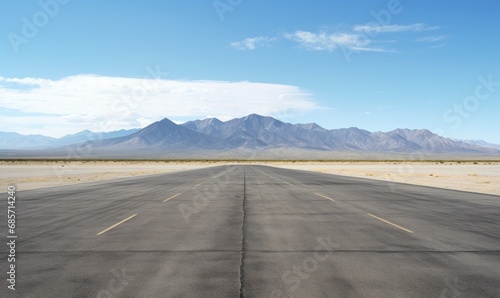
<point>254,231</point>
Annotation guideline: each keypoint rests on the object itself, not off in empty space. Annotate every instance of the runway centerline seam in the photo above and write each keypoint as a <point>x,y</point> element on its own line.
<point>243,241</point>
<point>390,223</point>
<point>267,251</point>
<point>115,225</point>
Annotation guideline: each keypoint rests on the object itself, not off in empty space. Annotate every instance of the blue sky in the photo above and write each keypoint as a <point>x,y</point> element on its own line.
<point>70,65</point>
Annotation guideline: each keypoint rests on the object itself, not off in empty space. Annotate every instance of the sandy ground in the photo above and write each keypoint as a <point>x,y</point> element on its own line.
<point>32,175</point>
<point>482,177</point>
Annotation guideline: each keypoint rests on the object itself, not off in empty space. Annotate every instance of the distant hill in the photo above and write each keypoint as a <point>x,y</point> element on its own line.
<point>249,137</point>
<point>481,143</point>
<point>161,134</point>
<point>12,140</point>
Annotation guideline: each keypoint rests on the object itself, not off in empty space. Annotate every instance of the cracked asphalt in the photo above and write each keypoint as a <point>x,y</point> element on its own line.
<point>253,231</point>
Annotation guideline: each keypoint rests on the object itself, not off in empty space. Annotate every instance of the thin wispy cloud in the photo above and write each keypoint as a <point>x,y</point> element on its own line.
<point>375,28</point>
<point>377,50</point>
<point>377,110</point>
<point>331,41</point>
<point>358,38</point>
<point>431,38</point>
<point>104,103</point>
<point>324,41</point>
<point>252,43</point>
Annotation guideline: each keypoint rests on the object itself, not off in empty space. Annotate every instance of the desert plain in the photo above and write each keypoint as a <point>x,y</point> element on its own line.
<point>472,176</point>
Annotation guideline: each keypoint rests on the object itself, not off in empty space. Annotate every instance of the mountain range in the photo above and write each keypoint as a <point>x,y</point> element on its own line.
<point>241,137</point>
<point>481,143</point>
<point>12,140</point>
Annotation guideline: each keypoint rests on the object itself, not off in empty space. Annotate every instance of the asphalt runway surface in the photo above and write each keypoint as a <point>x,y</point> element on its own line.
<point>253,231</point>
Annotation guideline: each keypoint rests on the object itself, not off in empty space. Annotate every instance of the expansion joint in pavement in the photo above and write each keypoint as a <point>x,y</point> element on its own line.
<point>243,248</point>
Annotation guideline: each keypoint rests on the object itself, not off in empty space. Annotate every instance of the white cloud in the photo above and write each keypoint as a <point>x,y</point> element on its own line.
<point>26,81</point>
<point>358,38</point>
<point>379,50</point>
<point>252,43</point>
<point>104,103</point>
<point>431,38</point>
<point>331,41</point>
<point>326,42</point>
<point>376,28</point>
